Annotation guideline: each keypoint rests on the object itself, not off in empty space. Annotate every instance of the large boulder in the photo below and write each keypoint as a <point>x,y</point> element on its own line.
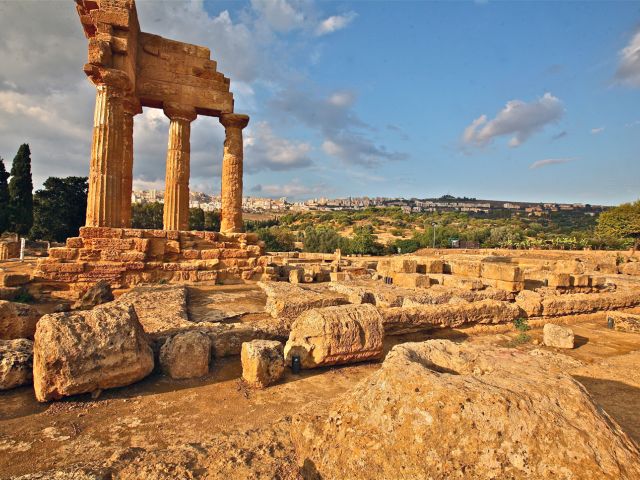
<point>262,362</point>
<point>186,355</point>
<point>334,335</point>
<point>86,351</point>
<point>17,320</point>
<point>440,410</point>
<point>16,360</point>
<point>161,309</point>
<point>97,294</point>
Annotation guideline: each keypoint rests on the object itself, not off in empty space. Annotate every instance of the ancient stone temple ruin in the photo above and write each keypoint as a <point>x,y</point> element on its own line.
<point>132,69</point>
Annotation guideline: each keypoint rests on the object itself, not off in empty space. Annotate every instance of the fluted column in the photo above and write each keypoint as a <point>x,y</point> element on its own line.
<point>176,193</point>
<point>131,108</point>
<point>231,190</point>
<point>105,171</point>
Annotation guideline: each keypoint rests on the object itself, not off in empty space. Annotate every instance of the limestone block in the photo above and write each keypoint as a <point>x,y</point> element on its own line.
<point>14,279</point>
<point>63,253</point>
<point>286,301</point>
<point>16,363</point>
<point>630,268</point>
<point>573,266</point>
<point>559,280</point>
<point>210,254</point>
<point>507,286</point>
<point>388,266</point>
<point>501,271</point>
<point>400,320</point>
<point>399,422</point>
<point>580,280</point>
<point>79,352</point>
<point>558,336</point>
<point>465,268</point>
<point>262,362</point>
<point>429,265</point>
<point>466,283</point>
<point>411,280</point>
<point>100,232</point>
<point>186,355</point>
<point>97,294</point>
<point>296,275</point>
<point>75,242</point>
<point>17,320</point>
<point>624,322</point>
<point>559,305</point>
<point>530,302</point>
<point>336,335</point>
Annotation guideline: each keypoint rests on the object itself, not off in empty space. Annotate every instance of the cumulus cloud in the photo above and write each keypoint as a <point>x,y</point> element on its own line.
<point>549,161</point>
<point>628,72</point>
<point>596,131</point>
<point>517,119</point>
<point>295,188</point>
<point>265,150</point>
<point>345,135</point>
<point>335,23</point>
<point>281,15</point>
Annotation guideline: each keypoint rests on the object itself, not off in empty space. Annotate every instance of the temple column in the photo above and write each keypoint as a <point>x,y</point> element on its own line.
<point>176,193</point>
<point>231,191</point>
<point>130,109</point>
<point>105,171</point>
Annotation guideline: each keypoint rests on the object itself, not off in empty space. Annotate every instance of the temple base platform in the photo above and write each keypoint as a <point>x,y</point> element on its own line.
<point>127,256</point>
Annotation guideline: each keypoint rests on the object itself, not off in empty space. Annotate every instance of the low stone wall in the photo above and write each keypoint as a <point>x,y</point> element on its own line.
<point>9,249</point>
<point>126,257</point>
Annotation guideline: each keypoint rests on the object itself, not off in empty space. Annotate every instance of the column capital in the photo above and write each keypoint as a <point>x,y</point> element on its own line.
<point>132,106</point>
<point>179,112</point>
<point>237,120</point>
<point>110,77</point>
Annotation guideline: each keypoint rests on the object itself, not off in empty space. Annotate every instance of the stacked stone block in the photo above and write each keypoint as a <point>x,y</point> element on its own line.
<point>127,256</point>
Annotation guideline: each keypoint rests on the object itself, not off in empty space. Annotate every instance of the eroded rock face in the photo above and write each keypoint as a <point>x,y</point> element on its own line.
<point>557,305</point>
<point>16,360</point>
<point>17,320</point>
<point>530,302</point>
<point>287,301</point>
<point>401,320</point>
<point>97,294</point>
<point>440,410</point>
<point>85,351</point>
<point>335,335</point>
<point>557,336</point>
<point>262,362</point>
<point>186,355</point>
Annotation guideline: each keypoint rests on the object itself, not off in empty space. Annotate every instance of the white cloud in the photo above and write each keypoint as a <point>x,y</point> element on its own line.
<point>628,72</point>
<point>335,23</point>
<point>280,15</point>
<point>265,150</point>
<point>596,131</point>
<point>345,135</point>
<point>550,161</point>
<point>518,119</point>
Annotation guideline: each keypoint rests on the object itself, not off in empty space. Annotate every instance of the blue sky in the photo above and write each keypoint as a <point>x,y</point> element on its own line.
<point>380,98</point>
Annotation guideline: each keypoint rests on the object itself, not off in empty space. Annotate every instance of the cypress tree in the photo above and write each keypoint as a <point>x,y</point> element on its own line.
<point>21,192</point>
<point>4,198</point>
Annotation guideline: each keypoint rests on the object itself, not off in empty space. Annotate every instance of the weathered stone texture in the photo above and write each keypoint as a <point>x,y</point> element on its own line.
<point>186,355</point>
<point>262,362</point>
<point>624,322</point>
<point>286,301</point>
<point>400,320</point>
<point>440,410</point>
<point>17,320</point>
<point>85,351</point>
<point>558,336</point>
<point>16,363</point>
<point>336,335</point>
<point>231,192</point>
<point>97,294</point>
<point>571,304</point>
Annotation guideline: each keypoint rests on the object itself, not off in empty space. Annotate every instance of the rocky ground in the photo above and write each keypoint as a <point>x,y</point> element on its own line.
<point>216,427</point>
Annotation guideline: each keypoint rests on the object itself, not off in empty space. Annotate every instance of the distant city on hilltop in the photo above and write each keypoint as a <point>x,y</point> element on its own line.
<point>446,203</point>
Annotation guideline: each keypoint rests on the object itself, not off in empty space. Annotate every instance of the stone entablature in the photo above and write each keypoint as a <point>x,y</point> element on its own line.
<point>133,69</point>
<point>125,257</point>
